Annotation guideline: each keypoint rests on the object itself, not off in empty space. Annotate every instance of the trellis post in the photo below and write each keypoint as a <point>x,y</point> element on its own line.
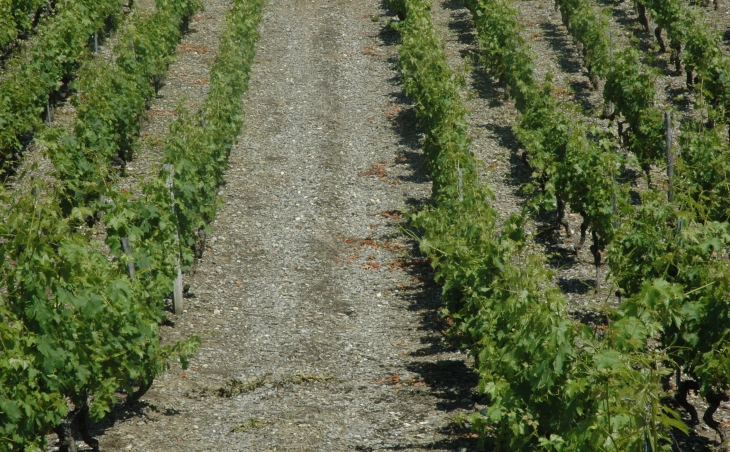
<point>670,155</point>
<point>127,248</point>
<point>177,293</point>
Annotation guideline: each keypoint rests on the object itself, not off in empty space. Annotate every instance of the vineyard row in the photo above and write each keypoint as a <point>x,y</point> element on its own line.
<point>76,326</point>
<point>682,261</point>
<point>553,384</point>
<point>19,17</point>
<point>44,66</point>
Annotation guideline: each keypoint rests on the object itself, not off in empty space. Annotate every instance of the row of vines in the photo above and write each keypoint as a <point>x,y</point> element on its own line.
<point>553,383</point>
<point>78,330</point>
<point>668,259</point>
<point>31,76</point>
<point>19,17</point>
<point>674,251</point>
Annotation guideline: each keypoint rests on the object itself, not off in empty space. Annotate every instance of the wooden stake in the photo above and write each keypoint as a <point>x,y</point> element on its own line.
<point>127,248</point>
<point>677,377</point>
<point>611,107</point>
<point>96,42</point>
<point>177,293</point>
<point>610,47</point>
<point>615,210</point>
<point>670,156</point>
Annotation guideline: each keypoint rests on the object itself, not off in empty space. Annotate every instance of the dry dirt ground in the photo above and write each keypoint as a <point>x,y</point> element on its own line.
<point>318,320</point>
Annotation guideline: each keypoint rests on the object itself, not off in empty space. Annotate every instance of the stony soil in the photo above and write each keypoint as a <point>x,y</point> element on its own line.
<point>319,320</point>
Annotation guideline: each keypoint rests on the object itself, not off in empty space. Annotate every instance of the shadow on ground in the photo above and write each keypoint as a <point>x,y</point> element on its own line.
<point>450,381</point>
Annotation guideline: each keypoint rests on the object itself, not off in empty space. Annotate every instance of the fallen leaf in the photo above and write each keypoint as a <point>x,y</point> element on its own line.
<point>392,246</point>
<point>394,109</point>
<point>370,50</point>
<point>392,214</point>
<point>400,264</point>
<point>369,242</point>
<point>376,169</point>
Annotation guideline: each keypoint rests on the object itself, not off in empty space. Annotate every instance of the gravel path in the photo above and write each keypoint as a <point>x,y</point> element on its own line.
<point>318,320</point>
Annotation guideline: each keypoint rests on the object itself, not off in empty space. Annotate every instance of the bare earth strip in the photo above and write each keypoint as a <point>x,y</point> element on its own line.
<point>186,85</point>
<point>318,321</point>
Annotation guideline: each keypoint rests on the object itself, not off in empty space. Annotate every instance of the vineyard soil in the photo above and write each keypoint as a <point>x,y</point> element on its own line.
<point>319,322</point>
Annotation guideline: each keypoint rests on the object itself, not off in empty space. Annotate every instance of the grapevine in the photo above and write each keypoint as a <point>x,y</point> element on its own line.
<point>17,18</point>
<point>591,31</point>
<point>38,71</point>
<point>530,357</point>
<point>110,101</point>
<point>76,327</point>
